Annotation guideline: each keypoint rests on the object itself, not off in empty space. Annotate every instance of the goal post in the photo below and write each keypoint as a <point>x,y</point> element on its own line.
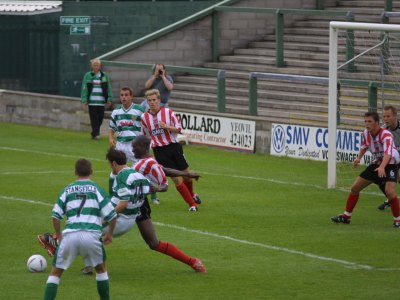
<point>333,109</point>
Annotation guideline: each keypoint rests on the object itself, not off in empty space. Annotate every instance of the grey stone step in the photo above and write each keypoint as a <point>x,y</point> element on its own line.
<point>241,95</point>
<point>296,106</point>
<point>316,48</point>
<point>187,82</point>
<point>290,62</point>
<point>309,31</point>
<point>194,96</point>
<point>254,53</point>
<point>363,3</point>
<point>300,38</point>
<point>242,70</point>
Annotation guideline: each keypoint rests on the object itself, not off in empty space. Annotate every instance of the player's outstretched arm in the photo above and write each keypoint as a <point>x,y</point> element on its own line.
<point>160,188</point>
<point>175,173</point>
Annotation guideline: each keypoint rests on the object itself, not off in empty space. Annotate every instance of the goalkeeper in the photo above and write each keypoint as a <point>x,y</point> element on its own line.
<point>392,124</point>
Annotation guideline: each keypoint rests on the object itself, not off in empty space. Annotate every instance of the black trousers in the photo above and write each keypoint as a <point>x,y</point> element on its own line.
<point>96,114</point>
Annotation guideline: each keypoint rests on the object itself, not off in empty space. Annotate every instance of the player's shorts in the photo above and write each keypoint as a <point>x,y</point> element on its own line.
<point>124,224</point>
<point>127,149</point>
<point>171,156</point>
<point>86,244</point>
<point>370,174</point>
<point>145,211</point>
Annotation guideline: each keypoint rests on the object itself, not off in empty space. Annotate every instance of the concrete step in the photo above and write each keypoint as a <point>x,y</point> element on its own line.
<point>362,3</point>
<point>187,82</point>
<point>255,53</point>
<point>240,69</point>
<point>309,31</point>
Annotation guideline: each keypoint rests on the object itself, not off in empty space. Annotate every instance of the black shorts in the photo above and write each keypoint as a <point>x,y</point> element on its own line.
<point>171,156</point>
<point>145,211</point>
<point>370,174</point>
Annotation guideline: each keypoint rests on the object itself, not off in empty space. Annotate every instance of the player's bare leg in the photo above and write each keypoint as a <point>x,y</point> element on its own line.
<point>352,199</point>
<point>390,191</point>
<point>148,233</point>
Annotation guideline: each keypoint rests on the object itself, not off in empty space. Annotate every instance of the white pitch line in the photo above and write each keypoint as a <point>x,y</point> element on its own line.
<point>44,172</point>
<point>265,246</point>
<point>25,200</point>
<point>47,153</point>
<point>208,173</point>
<point>272,180</point>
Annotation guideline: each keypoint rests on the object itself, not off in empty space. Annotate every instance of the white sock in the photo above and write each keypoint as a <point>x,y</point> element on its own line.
<point>102,276</point>
<point>53,279</point>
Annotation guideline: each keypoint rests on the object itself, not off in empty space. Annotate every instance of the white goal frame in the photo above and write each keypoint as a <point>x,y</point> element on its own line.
<point>332,91</point>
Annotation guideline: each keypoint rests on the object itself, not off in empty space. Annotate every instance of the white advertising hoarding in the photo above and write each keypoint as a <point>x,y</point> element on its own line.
<point>221,132</point>
<point>312,143</point>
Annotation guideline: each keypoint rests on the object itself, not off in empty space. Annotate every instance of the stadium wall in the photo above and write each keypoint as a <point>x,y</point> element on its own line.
<point>69,113</point>
<point>45,110</point>
<point>191,45</point>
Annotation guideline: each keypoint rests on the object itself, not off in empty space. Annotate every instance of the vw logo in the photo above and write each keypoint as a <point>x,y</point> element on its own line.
<point>278,138</point>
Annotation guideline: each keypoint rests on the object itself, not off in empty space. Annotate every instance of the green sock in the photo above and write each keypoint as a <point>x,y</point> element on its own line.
<point>103,289</point>
<point>153,196</point>
<point>51,291</point>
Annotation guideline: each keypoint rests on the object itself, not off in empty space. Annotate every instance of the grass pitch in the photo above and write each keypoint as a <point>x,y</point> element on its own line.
<point>263,230</point>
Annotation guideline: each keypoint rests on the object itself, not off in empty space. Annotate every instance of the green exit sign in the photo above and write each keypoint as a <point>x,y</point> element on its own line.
<point>74,20</point>
<point>79,30</point>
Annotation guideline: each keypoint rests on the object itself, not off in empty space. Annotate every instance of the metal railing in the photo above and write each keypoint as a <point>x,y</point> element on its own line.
<point>279,28</point>
<point>372,89</point>
<point>219,74</point>
<point>320,4</point>
<point>371,85</point>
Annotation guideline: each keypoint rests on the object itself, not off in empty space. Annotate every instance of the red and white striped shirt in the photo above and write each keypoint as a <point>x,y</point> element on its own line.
<point>160,136</point>
<point>152,170</point>
<point>380,145</point>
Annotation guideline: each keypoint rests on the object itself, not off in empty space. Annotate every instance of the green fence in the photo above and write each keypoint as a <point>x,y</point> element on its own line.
<point>219,74</point>
<point>372,86</point>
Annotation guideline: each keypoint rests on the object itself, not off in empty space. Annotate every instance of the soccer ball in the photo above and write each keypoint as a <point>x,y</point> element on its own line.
<point>36,263</point>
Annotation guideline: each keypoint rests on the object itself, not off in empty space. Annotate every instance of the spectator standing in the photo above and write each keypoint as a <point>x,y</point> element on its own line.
<point>96,92</point>
<point>161,81</point>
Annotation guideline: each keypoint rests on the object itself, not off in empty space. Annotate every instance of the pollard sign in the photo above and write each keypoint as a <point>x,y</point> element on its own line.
<point>312,143</point>
<point>221,132</point>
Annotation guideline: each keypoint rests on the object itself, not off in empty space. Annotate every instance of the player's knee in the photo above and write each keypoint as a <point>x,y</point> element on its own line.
<point>153,244</point>
<point>390,193</point>
<point>355,190</point>
<point>101,268</point>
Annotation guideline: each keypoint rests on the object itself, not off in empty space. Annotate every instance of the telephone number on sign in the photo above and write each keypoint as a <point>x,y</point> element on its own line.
<point>240,140</point>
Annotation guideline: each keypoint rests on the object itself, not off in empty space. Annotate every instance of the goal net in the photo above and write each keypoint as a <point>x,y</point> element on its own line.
<point>364,75</point>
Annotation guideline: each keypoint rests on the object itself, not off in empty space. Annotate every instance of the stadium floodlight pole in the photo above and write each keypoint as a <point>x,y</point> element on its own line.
<point>332,91</point>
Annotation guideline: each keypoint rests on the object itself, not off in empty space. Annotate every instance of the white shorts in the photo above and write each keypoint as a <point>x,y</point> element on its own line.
<point>87,244</point>
<point>124,224</point>
<point>127,149</point>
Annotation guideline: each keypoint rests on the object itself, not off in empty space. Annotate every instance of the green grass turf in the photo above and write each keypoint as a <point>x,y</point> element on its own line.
<point>263,230</point>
